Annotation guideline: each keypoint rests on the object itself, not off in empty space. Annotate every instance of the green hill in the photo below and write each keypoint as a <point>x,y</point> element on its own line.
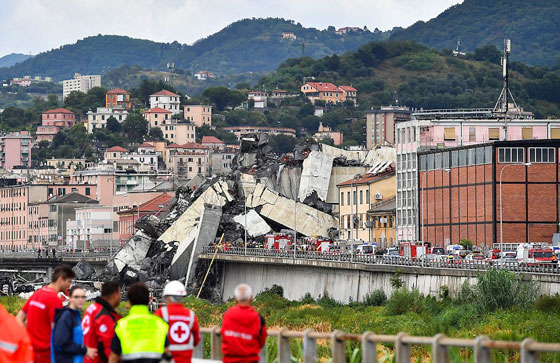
<point>13,58</point>
<point>249,45</point>
<point>424,77</point>
<point>533,27</point>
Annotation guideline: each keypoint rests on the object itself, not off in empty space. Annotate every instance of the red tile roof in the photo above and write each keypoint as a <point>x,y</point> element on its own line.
<point>367,178</point>
<point>188,145</point>
<point>211,140</point>
<point>146,145</point>
<point>348,88</point>
<point>172,146</point>
<point>157,110</point>
<point>152,205</point>
<point>117,90</point>
<point>59,110</point>
<point>324,87</point>
<point>117,149</point>
<point>164,92</point>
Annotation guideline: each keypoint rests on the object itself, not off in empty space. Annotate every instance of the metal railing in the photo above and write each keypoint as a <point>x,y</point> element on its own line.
<point>443,263</point>
<point>481,346</point>
<point>58,255</point>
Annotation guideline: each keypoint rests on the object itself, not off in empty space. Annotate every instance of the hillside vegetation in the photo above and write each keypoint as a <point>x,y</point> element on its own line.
<point>424,77</point>
<point>248,45</point>
<point>531,25</point>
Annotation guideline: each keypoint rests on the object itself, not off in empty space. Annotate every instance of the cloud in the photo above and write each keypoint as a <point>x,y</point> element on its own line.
<point>33,26</point>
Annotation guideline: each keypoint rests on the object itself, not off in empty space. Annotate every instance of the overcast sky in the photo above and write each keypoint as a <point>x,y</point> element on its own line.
<point>33,26</point>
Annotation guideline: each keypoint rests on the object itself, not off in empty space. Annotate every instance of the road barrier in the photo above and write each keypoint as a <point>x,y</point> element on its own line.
<point>481,346</point>
<point>444,263</point>
<point>58,255</point>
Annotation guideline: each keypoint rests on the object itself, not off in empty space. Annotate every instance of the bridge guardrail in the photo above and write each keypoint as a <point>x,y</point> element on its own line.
<point>551,268</point>
<point>481,346</point>
<point>58,255</point>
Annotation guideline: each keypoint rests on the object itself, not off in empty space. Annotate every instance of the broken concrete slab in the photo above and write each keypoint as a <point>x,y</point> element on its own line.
<point>315,175</point>
<point>83,270</point>
<point>362,157</point>
<point>180,262</point>
<point>256,225</point>
<point>310,221</point>
<point>133,252</point>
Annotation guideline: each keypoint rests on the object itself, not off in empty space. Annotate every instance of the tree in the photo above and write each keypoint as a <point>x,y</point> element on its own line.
<point>156,133</point>
<point>282,144</point>
<point>221,97</point>
<point>113,124</point>
<point>135,127</point>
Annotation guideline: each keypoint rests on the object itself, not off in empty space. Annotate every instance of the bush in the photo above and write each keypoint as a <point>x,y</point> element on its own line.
<point>499,289</point>
<point>455,317</point>
<point>327,301</point>
<point>548,304</point>
<point>375,298</point>
<point>395,280</point>
<point>403,301</point>
<point>307,299</point>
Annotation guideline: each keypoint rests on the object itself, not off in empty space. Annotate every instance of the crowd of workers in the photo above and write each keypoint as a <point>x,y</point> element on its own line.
<point>44,331</point>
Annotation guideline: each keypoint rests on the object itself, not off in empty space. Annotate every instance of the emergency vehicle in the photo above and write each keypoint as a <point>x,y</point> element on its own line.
<point>414,249</point>
<point>533,254</point>
<point>318,244</point>
<point>366,249</point>
<point>278,241</point>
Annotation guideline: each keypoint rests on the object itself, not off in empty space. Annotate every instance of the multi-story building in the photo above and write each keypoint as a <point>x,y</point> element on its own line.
<point>440,129</point>
<point>115,153</point>
<point>98,119</point>
<point>188,164</point>
<point>15,150</point>
<point>220,161</point>
<point>80,83</point>
<point>349,93</point>
<point>91,228</point>
<point>203,75</point>
<point>380,124</point>
<point>359,198</point>
<point>182,133</point>
<point>66,163</point>
<point>128,217</point>
<point>260,98</point>
<point>166,100</point>
<point>460,189</point>
<point>118,99</point>
<point>328,92</point>
<point>54,121</point>
<point>198,115</point>
<point>242,130</point>
<point>173,130</point>
<point>157,116</point>
<point>212,142</point>
<point>325,132</point>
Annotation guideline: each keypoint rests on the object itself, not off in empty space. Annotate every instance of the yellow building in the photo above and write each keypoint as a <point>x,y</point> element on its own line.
<point>369,200</point>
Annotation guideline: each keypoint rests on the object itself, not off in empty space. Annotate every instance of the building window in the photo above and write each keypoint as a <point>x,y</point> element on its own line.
<point>493,133</point>
<point>555,133</point>
<point>511,155</point>
<point>88,191</point>
<point>472,134</point>
<point>449,133</point>
<point>341,198</point>
<point>527,133</point>
<point>361,197</point>
<point>367,196</point>
<point>541,154</point>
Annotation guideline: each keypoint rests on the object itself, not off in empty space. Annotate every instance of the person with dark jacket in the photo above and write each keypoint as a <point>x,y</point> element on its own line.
<point>243,329</point>
<point>67,338</point>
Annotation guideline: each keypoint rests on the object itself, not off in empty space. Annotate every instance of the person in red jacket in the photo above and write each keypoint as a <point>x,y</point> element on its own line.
<point>243,329</point>
<point>98,323</point>
<point>38,312</point>
<point>184,332</point>
<point>15,345</point>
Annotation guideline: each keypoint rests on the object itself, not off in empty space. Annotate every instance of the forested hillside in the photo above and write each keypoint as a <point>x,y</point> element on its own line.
<point>533,27</point>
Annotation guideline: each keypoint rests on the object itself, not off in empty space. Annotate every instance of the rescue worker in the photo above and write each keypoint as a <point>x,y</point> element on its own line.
<point>99,322</point>
<point>38,312</point>
<point>15,345</point>
<point>67,341</point>
<point>184,332</point>
<point>140,337</point>
<point>243,329</point>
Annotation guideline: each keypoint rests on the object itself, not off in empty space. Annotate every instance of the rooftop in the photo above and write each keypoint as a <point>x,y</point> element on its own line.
<point>117,149</point>
<point>325,87</point>
<point>165,92</point>
<point>59,110</point>
<point>368,178</point>
<point>157,110</point>
<point>151,206</point>
<point>118,91</point>
<point>211,140</point>
<point>348,88</point>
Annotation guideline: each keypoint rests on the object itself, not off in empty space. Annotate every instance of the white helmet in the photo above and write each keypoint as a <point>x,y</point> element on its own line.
<point>174,288</point>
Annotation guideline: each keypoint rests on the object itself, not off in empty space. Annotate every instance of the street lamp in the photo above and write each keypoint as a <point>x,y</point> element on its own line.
<point>501,227</point>
<point>447,170</point>
<point>354,198</point>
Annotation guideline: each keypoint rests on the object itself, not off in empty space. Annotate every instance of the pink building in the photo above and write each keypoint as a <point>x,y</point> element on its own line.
<point>128,217</point>
<point>15,150</point>
<point>325,132</point>
<point>157,116</point>
<point>212,142</point>
<point>54,121</point>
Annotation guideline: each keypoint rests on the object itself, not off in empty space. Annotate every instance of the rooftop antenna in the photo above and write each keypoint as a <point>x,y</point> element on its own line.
<point>502,104</point>
<point>457,51</point>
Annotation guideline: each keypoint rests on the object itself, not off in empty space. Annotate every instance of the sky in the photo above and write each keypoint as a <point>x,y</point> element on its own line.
<point>34,26</point>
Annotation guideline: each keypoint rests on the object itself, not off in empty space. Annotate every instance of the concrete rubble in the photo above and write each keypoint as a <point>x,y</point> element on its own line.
<point>293,191</point>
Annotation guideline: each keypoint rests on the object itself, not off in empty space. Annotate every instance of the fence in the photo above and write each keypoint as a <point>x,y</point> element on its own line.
<point>443,263</point>
<point>59,255</point>
<point>481,346</point>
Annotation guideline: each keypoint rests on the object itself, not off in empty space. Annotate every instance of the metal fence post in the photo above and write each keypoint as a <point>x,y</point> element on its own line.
<point>215,344</point>
<point>262,354</point>
<point>481,353</point>
<point>198,351</point>
<point>440,353</point>
<point>527,355</point>
<point>309,348</point>
<point>338,348</point>
<point>284,351</point>
<point>369,348</point>
<point>402,350</point>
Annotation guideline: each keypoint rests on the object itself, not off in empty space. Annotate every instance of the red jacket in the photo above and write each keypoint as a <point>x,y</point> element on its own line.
<point>243,334</point>
<point>184,333</point>
<point>98,325</point>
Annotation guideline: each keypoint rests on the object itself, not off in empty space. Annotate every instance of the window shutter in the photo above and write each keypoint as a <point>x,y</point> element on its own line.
<point>493,133</point>
<point>555,133</point>
<point>527,133</point>
<point>449,133</point>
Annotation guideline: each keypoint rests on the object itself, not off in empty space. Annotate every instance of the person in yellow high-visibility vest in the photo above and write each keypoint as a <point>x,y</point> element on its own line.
<point>141,336</point>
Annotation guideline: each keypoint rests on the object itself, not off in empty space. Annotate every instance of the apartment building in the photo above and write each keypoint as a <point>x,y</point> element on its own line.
<point>242,130</point>
<point>54,121</point>
<point>15,150</point>
<point>198,114</point>
<point>91,228</point>
<point>98,119</point>
<point>128,217</point>
<point>80,83</point>
<point>166,100</point>
<point>118,98</point>
<point>380,124</point>
<point>325,132</point>
<point>328,92</point>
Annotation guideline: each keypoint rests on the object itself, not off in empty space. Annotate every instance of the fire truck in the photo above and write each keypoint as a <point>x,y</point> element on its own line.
<point>533,254</point>
<point>414,249</point>
<point>279,241</point>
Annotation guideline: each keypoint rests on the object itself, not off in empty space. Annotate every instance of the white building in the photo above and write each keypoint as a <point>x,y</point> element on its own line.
<point>92,228</point>
<point>80,83</point>
<point>166,100</point>
<point>98,119</point>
